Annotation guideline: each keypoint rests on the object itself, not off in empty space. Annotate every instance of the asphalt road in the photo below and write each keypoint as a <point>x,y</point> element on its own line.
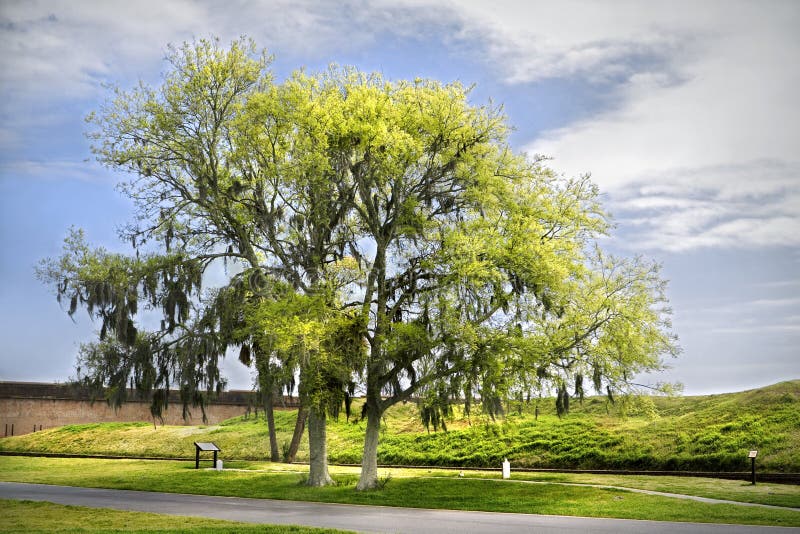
<point>353,517</point>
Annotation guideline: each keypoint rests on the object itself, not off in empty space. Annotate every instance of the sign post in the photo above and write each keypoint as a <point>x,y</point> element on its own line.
<point>752,457</point>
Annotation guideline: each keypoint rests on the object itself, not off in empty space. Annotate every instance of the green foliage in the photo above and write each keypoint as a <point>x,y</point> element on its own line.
<point>312,333</point>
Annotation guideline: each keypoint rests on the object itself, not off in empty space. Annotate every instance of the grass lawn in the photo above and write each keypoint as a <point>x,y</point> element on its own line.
<point>28,516</point>
<point>787,495</point>
<point>404,488</point>
<point>730,490</point>
<point>706,433</point>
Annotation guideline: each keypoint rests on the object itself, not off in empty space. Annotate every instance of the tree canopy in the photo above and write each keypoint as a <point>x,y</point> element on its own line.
<point>380,234</point>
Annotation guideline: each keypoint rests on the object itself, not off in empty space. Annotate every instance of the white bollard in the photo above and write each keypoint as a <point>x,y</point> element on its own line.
<point>506,468</point>
<point>219,465</point>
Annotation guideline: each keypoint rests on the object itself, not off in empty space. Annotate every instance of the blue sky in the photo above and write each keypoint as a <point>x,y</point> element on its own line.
<point>685,113</point>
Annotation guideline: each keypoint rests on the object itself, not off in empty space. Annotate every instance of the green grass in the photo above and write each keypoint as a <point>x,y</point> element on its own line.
<point>28,516</point>
<point>731,490</point>
<point>710,433</point>
<point>707,433</point>
<point>401,490</point>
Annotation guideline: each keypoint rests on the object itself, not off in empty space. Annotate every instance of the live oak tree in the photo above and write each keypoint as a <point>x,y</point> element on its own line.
<point>468,252</point>
<point>383,234</point>
<point>450,229</point>
<point>221,167</point>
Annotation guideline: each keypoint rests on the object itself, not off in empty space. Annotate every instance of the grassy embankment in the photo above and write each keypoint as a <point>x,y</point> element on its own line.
<point>710,433</point>
<point>44,517</point>
<point>420,489</point>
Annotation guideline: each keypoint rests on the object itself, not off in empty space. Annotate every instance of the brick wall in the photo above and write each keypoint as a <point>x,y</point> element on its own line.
<point>28,406</point>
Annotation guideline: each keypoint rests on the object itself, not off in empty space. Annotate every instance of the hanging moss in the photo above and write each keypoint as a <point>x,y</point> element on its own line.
<point>244,355</point>
<point>579,392</point>
<point>562,400</point>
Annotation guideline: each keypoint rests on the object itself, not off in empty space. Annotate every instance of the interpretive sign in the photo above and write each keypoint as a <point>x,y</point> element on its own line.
<point>205,447</point>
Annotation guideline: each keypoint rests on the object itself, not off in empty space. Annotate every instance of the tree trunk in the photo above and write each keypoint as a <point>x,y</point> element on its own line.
<point>299,427</point>
<point>267,385</point>
<point>274,455</point>
<point>369,462</point>
<point>317,449</point>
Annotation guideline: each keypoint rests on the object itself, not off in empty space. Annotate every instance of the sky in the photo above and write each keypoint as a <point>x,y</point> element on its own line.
<point>686,115</point>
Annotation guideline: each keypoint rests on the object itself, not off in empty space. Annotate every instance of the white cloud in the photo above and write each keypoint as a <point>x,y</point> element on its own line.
<point>699,149</point>
<point>701,146</point>
<point>787,329</point>
<point>745,206</point>
<point>537,40</point>
<point>759,318</point>
<point>710,158</point>
<point>23,170</point>
<point>56,55</point>
<point>749,310</point>
<point>62,48</point>
<point>786,285</point>
<point>780,302</point>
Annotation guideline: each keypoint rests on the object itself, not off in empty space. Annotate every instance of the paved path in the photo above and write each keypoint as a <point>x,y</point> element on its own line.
<point>353,517</point>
